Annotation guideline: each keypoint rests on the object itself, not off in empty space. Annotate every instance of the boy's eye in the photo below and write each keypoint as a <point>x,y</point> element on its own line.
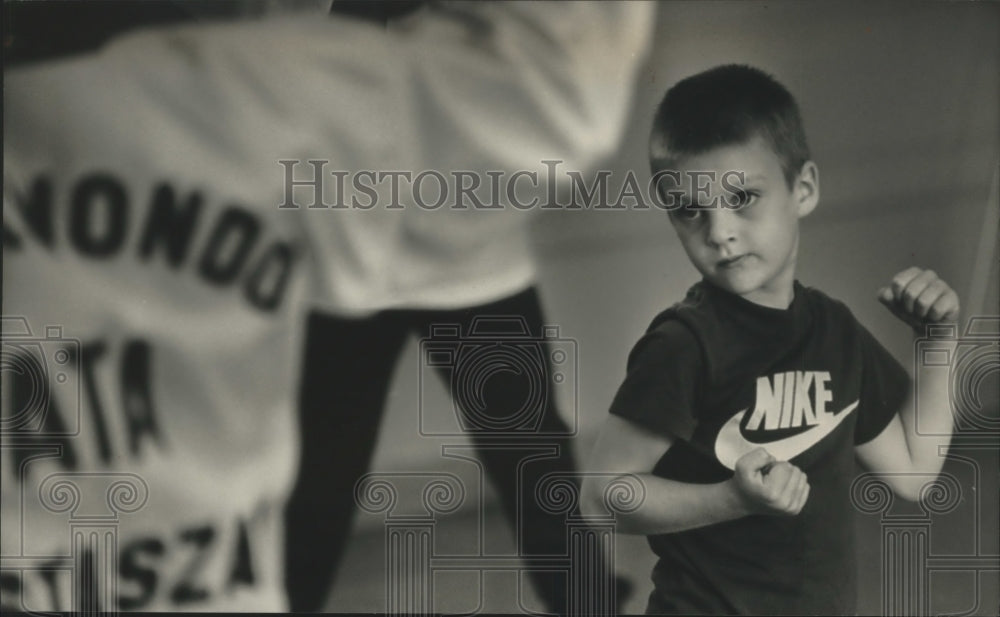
<point>687,212</point>
<point>740,199</point>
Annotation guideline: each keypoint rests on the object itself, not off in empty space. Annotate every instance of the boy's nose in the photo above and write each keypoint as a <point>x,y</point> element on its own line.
<point>721,228</point>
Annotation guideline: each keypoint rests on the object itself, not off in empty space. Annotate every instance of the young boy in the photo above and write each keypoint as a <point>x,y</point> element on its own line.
<point>745,404</point>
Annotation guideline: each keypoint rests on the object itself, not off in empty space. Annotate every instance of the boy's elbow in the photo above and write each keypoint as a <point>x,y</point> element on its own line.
<point>915,487</point>
<point>610,496</point>
<point>908,490</point>
<point>592,497</point>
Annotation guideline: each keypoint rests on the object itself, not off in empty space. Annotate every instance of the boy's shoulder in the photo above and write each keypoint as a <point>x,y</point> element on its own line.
<point>707,304</point>
<point>688,327</point>
<point>834,307</point>
<point>730,331</point>
<point>698,303</point>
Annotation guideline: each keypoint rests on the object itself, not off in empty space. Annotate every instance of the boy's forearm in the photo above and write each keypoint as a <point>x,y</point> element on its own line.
<point>928,421</point>
<point>670,506</point>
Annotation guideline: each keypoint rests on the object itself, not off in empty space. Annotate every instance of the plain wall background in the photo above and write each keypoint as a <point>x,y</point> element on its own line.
<point>901,103</point>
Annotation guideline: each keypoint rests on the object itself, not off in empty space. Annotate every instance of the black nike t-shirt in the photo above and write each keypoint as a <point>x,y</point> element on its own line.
<point>721,376</point>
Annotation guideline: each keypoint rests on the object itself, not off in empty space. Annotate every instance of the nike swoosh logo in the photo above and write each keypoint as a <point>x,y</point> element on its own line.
<point>730,445</point>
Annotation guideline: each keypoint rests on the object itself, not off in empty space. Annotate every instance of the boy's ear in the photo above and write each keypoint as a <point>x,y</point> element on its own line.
<point>806,188</point>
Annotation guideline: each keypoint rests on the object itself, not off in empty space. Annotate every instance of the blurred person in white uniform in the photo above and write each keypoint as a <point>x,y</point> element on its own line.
<point>151,276</point>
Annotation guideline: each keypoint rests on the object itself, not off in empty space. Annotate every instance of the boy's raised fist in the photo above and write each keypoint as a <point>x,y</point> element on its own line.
<point>919,297</point>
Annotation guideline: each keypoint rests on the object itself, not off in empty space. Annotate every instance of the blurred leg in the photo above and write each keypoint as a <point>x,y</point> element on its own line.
<point>493,411</point>
<point>347,366</point>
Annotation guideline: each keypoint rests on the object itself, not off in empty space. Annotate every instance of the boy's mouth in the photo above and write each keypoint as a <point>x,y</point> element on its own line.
<point>731,262</point>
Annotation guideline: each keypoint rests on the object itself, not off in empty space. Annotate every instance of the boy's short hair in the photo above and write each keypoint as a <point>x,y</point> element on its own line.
<point>728,105</point>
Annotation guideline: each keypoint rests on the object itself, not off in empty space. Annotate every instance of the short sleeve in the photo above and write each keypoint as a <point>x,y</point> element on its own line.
<point>660,387</point>
<point>885,385</point>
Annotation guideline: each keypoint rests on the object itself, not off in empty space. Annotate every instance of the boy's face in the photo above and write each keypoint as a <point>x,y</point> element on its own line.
<point>737,219</point>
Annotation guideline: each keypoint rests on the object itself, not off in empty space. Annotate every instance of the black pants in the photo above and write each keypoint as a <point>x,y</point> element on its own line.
<point>348,366</point>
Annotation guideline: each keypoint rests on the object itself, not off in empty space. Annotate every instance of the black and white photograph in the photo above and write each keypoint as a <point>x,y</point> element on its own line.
<point>522,307</point>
